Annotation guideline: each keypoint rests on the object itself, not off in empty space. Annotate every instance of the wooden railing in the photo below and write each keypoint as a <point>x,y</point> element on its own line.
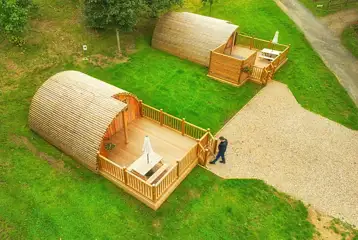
<point>139,185</point>
<point>111,168</point>
<point>166,181</point>
<point>174,123</point>
<point>187,160</point>
<point>256,73</point>
<point>257,43</point>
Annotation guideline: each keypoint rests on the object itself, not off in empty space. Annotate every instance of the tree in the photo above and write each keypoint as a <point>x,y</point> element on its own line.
<point>156,7</point>
<point>211,2</point>
<point>14,16</point>
<point>122,14</point>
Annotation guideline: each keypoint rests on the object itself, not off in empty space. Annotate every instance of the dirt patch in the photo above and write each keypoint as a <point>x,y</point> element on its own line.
<point>328,228</point>
<point>55,163</point>
<point>339,21</point>
<point>194,194</point>
<point>99,60</point>
<point>156,224</point>
<point>5,229</point>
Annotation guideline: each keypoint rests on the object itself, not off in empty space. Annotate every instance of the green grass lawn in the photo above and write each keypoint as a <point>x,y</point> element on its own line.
<point>349,39</point>
<point>38,201</point>
<point>320,12</point>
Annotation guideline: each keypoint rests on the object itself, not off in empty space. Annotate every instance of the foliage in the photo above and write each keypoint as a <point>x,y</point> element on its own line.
<point>158,6</point>
<point>350,39</point>
<point>14,16</point>
<point>122,14</point>
<point>247,69</point>
<point>210,2</point>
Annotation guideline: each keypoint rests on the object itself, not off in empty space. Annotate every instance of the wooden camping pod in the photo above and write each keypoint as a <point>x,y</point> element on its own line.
<point>191,36</point>
<point>73,111</point>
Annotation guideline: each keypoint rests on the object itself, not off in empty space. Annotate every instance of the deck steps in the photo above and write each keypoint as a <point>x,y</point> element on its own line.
<point>160,172</point>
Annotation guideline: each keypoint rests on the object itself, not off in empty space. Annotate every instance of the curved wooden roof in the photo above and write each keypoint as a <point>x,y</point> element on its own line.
<point>72,111</point>
<point>191,36</point>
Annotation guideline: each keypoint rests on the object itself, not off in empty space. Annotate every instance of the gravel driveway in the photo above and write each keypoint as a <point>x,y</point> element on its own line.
<point>301,153</point>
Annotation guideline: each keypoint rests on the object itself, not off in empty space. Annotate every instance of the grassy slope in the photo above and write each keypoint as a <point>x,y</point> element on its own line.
<point>350,40</point>
<point>311,5</point>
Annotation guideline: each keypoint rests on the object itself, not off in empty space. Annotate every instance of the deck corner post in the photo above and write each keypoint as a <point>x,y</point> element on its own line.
<point>269,44</point>
<point>154,193</point>
<point>183,126</point>
<point>206,157</point>
<point>178,168</point>
<point>197,144</point>
<point>215,145</point>
<point>161,117</point>
<point>251,42</point>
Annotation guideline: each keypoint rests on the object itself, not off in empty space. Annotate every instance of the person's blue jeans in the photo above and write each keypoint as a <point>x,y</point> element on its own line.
<point>219,155</point>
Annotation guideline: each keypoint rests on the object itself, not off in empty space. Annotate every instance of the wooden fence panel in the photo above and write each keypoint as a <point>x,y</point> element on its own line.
<point>256,73</point>
<point>111,168</point>
<point>166,181</point>
<point>139,185</point>
<point>151,112</point>
<point>194,131</point>
<point>172,122</point>
<point>187,160</point>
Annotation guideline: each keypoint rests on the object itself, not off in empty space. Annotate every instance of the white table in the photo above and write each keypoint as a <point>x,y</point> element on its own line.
<point>142,166</point>
<point>269,54</point>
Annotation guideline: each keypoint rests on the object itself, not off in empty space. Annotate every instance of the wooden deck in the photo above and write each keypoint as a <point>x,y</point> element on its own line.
<point>243,52</point>
<point>172,146</point>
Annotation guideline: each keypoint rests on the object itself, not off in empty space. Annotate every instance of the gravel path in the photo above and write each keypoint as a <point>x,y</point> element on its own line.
<point>341,62</point>
<point>301,153</point>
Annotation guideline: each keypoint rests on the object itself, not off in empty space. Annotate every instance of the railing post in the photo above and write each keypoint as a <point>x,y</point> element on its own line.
<point>183,126</point>
<point>161,117</point>
<point>206,156</point>
<point>154,193</point>
<point>251,42</point>
<point>141,108</point>
<point>269,44</point>
<point>178,170</point>
<point>197,149</point>
<point>215,145</point>
<point>125,175</point>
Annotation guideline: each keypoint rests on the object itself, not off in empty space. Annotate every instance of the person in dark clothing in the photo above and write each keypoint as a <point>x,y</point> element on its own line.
<point>222,149</point>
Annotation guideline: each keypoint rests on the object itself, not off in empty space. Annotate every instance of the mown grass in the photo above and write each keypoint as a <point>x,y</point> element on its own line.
<point>349,39</point>
<point>38,201</point>
<point>320,12</point>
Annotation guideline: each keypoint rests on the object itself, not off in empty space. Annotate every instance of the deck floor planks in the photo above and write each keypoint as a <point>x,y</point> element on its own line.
<point>171,145</point>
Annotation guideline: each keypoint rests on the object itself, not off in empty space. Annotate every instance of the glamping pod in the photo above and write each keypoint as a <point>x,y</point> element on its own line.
<point>231,57</point>
<point>104,127</point>
<point>74,112</point>
<point>191,36</point>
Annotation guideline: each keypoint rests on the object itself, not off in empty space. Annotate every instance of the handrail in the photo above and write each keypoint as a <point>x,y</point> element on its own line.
<point>229,56</point>
<point>166,174</point>
<point>111,162</point>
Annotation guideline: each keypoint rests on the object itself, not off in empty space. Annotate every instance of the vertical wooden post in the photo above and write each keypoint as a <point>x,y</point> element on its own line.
<point>269,44</point>
<point>98,161</point>
<point>125,175</point>
<point>206,156</point>
<point>178,170</point>
<point>215,145</point>
<point>197,149</point>
<point>238,80</point>
<point>161,117</point>
<point>154,193</point>
<point>251,42</point>
<point>124,117</point>
<point>183,126</point>
<point>141,108</point>
<point>211,55</point>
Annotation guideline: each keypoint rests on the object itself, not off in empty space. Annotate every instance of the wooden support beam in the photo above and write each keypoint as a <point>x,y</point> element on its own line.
<point>161,117</point>
<point>183,126</point>
<point>141,108</point>
<point>125,126</point>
